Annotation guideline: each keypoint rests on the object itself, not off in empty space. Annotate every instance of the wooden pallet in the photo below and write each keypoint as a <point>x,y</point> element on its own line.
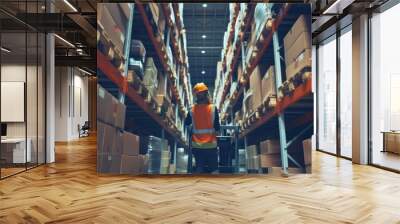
<point>289,85</point>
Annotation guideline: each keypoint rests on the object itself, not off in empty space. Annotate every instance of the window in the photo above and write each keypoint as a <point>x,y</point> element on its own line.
<point>327,95</point>
<point>385,89</point>
<point>346,92</point>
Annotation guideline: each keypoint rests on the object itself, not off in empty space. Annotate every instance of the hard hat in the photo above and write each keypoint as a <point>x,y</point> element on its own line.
<point>200,87</point>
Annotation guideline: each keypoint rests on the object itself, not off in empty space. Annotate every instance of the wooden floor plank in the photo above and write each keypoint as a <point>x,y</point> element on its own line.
<point>70,191</point>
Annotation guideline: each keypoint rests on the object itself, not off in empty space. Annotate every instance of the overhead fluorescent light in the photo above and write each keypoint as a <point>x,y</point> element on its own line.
<point>70,5</point>
<point>5,50</point>
<point>204,5</point>
<point>204,36</point>
<point>84,71</point>
<point>203,51</point>
<point>203,72</point>
<point>65,41</point>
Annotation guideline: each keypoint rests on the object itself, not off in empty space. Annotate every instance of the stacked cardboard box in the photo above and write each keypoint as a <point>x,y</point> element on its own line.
<point>109,109</point>
<point>270,153</point>
<point>112,23</point>
<point>268,83</point>
<point>253,159</point>
<point>118,151</point>
<point>297,43</point>
<point>255,86</point>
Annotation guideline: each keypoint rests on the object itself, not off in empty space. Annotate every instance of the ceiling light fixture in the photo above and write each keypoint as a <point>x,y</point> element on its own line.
<point>203,51</point>
<point>70,5</point>
<point>65,41</point>
<point>204,36</point>
<point>204,5</point>
<point>203,72</point>
<point>5,50</point>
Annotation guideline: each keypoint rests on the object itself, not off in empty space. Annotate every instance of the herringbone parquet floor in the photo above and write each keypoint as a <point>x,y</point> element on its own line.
<point>70,191</point>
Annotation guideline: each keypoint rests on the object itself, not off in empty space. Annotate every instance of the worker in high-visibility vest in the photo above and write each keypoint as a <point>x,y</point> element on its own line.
<point>205,123</point>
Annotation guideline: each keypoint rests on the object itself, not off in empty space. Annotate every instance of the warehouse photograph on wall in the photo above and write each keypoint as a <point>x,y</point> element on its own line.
<point>204,88</point>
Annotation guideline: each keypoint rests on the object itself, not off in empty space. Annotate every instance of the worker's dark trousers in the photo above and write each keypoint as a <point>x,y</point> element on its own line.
<point>206,160</point>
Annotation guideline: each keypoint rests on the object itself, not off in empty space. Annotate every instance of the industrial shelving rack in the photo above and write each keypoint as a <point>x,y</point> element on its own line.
<point>147,121</point>
<point>292,115</point>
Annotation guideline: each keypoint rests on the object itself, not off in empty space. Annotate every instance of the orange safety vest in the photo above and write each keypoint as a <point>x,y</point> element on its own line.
<point>203,132</point>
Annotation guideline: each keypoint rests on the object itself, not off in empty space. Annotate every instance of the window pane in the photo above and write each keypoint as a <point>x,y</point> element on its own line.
<point>346,94</point>
<point>327,96</point>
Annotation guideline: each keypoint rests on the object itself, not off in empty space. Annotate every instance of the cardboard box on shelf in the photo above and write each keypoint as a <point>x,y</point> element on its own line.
<point>130,164</point>
<point>109,109</point>
<point>108,163</point>
<point>302,61</point>
<point>110,29</point>
<point>300,26</point>
<point>270,160</point>
<point>118,112</point>
<point>130,144</point>
<point>307,144</point>
<point>107,139</point>
<point>270,146</point>
<point>302,42</point>
<point>255,86</point>
<point>268,83</point>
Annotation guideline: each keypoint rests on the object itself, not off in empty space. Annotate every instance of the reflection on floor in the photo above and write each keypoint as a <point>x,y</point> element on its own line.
<point>387,159</point>
<point>10,171</point>
<point>70,191</point>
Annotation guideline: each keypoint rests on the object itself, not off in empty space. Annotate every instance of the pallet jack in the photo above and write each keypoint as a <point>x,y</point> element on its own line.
<point>227,149</point>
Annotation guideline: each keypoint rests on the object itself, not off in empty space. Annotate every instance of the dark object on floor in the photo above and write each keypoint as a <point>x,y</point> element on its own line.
<point>84,130</point>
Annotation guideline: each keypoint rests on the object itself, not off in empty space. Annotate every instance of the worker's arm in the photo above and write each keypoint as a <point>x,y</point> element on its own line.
<point>217,125</point>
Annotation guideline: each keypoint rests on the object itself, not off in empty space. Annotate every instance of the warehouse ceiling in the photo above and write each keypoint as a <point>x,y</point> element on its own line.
<point>211,20</point>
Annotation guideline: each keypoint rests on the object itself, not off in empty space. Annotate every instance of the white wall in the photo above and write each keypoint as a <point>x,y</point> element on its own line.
<point>71,94</point>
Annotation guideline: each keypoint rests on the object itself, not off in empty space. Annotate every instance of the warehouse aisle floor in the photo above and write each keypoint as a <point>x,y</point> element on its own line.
<point>70,191</point>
